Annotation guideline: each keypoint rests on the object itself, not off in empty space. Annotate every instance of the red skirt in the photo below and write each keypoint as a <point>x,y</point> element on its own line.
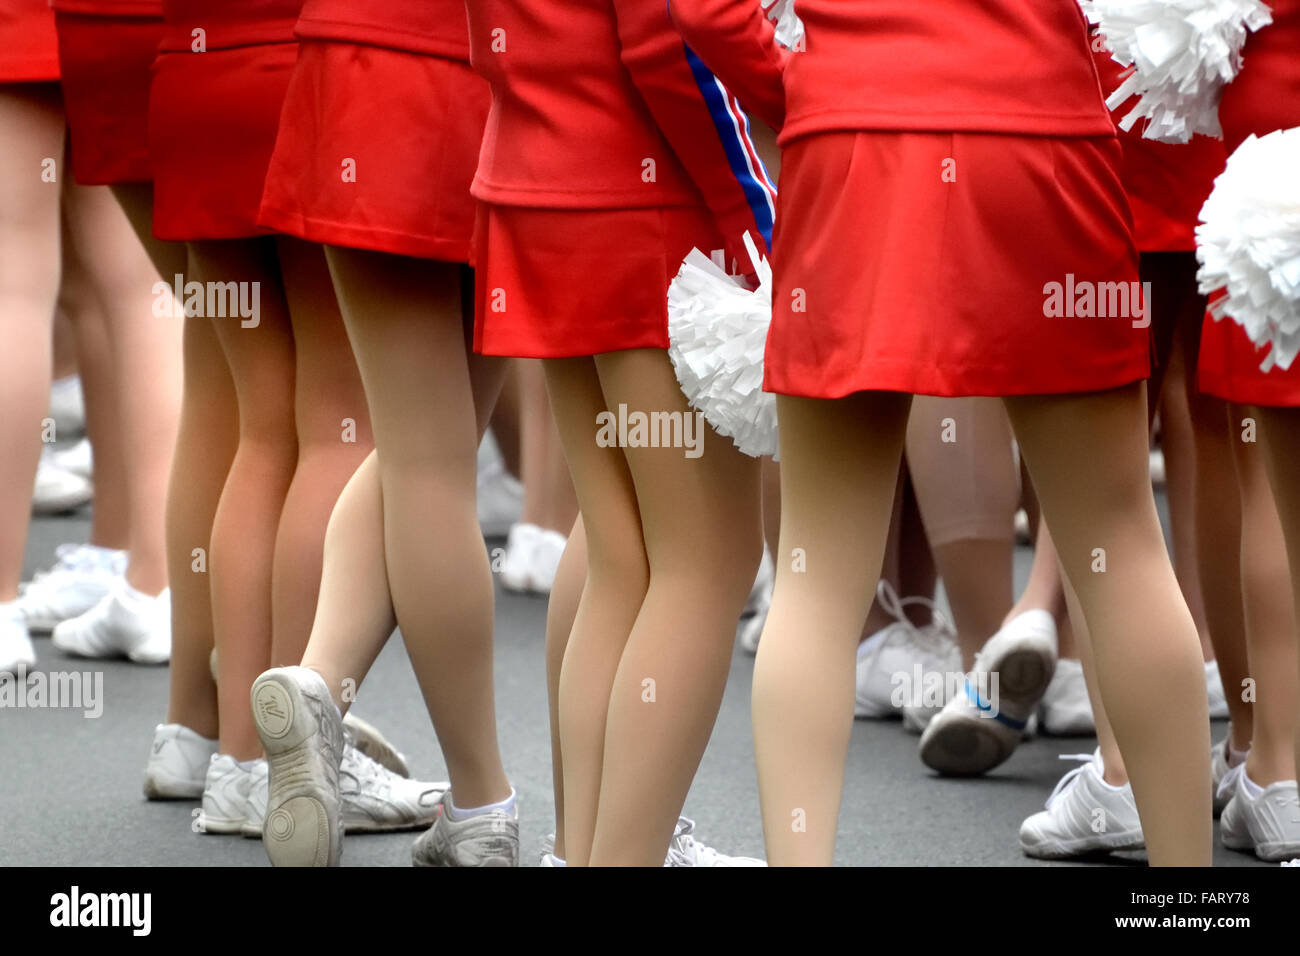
<point>559,283</point>
<point>1228,367</point>
<point>106,74</point>
<point>213,117</point>
<point>29,50</point>
<point>1167,184</point>
<point>376,150</point>
<point>953,264</point>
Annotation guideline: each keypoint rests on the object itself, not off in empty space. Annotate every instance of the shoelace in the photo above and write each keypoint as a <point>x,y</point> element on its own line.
<point>685,850</point>
<point>937,637</point>
<point>1065,782</point>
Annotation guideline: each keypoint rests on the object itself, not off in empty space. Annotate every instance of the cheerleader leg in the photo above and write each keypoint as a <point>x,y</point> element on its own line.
<point>1269,612</point>
<point>1148,661</point>
<point>333,426</point>
<point>839,469</point>
<point>566,593</point>
<point>617,576</point>
<point>702,526</point>
<point>1280,431</point>
<point>430,401</point>
<point>31,125</point>
<point>261,365</point>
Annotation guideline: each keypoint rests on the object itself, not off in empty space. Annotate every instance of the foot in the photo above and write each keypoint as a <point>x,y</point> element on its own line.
<point>82,576</point>
<point>754,616</point>
<point>1214,688</point>
<point>16,652</point>
<point>79,459</point>
<point>178,763</point>
<point>685,850</point>
<point>516,569</point>
<point>1084,815</point>
<point>485,839</point>
<point>1066,710</point>
<point>1222,759</point>
<point>1262,820</point>
<point>376,800</point>
<point>979,729</point>
<point>902,668</point>
<point>302,733</point>
<point>58,491</point>
<point>367,738</point>
<point>229,802</point>
<point>125,623</point>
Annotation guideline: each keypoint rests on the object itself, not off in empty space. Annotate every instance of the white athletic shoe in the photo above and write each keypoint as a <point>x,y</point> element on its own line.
<point>685,850</point>
<point>367,738</point>
<point>1084,815</point>
<point>901,662</point>
<point>1066,710</point>
<point>125,623</point>
<point>68,407</point>
<point>258,793</point>
<point>16,652</point>
<point>1214,687</point>
<point>500,497</point>
<point>1222,761</point>
<point>178,763</point>
<point>376,800</point>
<point>980,729</point>
<point>229,803</point>
<point>58,491</point>
<point>516,569</point>
<point>548,548</point>
<point>485,839</point>
<point>1268,825</point>
<point>81,577</point>
<point>78,459</point>
<point>302,733</point>
<point>754,616</point>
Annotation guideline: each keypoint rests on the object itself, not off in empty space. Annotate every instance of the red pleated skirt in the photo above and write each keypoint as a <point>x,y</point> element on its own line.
<point>560,283</point>
<point>376,150</point>
<point>106,77</point>
<point>213,118</point>
<point>29,50</point>
<point>953,264</point>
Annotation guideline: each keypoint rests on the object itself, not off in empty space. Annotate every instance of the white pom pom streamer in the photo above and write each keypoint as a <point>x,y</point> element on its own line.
<point>1249,243</point>
<point>789,28</point>
<point>717,330</point>
<point>1183,53</point>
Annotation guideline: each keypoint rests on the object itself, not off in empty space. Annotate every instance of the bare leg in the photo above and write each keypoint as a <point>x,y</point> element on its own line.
<point>566,594</point>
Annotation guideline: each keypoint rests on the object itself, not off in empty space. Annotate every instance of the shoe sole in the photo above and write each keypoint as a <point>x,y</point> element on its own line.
<point>297,830</point>
<point>1087,846</point>
<point>163,787</point>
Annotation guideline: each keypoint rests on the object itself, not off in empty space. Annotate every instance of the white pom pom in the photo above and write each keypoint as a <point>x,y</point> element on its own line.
<point>1249,243</point>
<point>789,28</point>
<point>717,330</point>
<point>1183,53</point>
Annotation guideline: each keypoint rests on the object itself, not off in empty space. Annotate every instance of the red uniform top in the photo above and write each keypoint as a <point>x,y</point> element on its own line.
<point>1265,96</point>
<point>29,49</point>
<point>1166,183</point>
<point>228,23</point>
<point>993,66</point>
<point>110,8</point>
<point>599,104</point>
<point>435,27</point>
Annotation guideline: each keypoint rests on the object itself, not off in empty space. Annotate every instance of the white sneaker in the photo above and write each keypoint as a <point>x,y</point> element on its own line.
<point>485,839</point>
<point>68,406</point>
<point>548,548</point>
<point>500,496</point>
<point>1268,824</point>
<point>78,459</point>
<point>898,657</point>
<point>1066,710</point>
<point>685,850</point>
<point>1222,760</point>
<point>229,804</point>
<point>1214,687</point>
<point>754,616</point>
<point>178,763</point>
<point>980,729</point>
<point>516,569</point>
<point>16,652</point>
<point>58,491</point>
<point>376,800</point>
<point>126,623</point>
<point>367,738</point>
<point>302,733</point>
<point>1084,814</point>
<point>81,577</point>
<point>258,794</point>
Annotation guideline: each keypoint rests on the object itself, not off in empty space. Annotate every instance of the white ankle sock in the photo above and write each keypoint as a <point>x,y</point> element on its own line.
<point>1252,788</point>
<point>464,813</point>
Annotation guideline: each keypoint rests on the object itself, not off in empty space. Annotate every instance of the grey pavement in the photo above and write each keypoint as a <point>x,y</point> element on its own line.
<point>70,787</point>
